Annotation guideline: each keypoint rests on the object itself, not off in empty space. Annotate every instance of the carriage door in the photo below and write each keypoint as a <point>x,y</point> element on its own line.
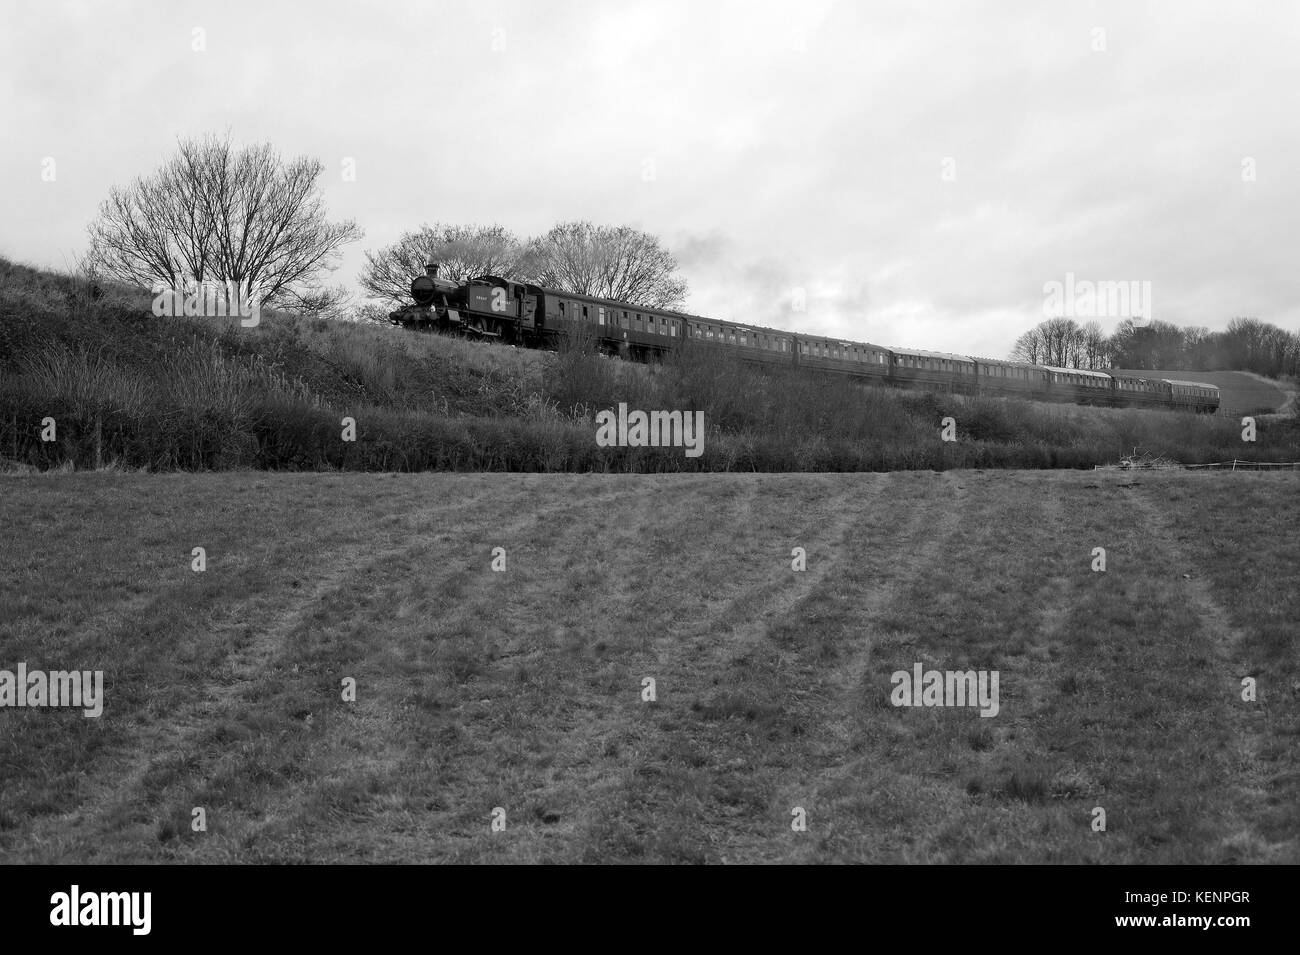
<point>527,310</point>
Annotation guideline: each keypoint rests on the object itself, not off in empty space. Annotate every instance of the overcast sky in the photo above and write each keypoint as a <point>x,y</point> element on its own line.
<point>920,170</point>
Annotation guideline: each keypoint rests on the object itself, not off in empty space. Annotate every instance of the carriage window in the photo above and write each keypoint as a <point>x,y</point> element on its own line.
<point>584,312</point>
<point>600,315</point>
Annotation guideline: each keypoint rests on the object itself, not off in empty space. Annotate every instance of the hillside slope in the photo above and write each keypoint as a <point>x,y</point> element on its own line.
<point>124,387</point>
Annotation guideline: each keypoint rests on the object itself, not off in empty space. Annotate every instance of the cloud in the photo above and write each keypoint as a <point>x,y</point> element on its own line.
<point>918,171</point>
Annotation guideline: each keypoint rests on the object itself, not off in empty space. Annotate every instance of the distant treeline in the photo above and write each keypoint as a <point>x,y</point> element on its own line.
<point>1247,344</point>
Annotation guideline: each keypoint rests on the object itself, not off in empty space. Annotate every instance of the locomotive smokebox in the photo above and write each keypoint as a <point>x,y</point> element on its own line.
<point>424,288</point>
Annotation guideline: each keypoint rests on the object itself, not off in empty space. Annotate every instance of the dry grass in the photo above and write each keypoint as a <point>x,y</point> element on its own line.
<point>522,689</point>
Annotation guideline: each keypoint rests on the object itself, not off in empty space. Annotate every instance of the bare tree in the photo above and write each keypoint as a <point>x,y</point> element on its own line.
<point>1061,341</point>
<point>214,213</point>
<point>1028,347</point>
<point>461,251</point>
<point>616,262</point>
<point>1093,348</point>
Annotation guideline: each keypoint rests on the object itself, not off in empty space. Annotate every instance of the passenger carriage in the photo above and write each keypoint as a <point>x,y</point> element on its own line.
<point>1078,385</point>
<point>1194,395</point>
<point>940,370</point>
<point>856,359</point>
<point>1009,378</point>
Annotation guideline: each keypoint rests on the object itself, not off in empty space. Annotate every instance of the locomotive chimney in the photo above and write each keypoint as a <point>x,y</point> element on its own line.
<point>431,270</point>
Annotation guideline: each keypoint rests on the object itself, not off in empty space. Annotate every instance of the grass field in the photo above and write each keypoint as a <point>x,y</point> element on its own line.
<point>522,689</point>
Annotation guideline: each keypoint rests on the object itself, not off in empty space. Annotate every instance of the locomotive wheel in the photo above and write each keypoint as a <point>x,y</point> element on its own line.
<point>476,326</point>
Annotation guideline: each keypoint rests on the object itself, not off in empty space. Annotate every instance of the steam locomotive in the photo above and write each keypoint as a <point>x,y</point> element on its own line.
<point>491,307</point>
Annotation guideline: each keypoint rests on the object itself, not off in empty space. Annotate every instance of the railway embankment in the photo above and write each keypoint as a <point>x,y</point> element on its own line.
<point>90,377</point>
